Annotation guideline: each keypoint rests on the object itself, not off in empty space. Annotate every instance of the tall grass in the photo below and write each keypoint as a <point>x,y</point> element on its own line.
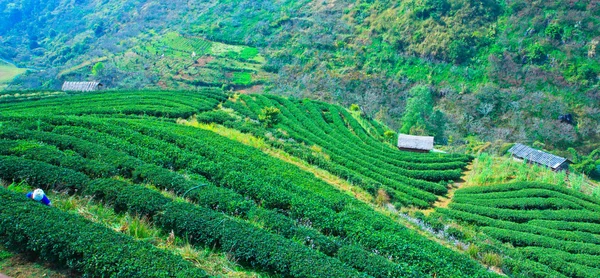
<point>488,170</point>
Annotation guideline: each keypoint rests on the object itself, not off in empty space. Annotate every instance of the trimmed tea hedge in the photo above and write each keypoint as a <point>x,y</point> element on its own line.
<point>91,249</point>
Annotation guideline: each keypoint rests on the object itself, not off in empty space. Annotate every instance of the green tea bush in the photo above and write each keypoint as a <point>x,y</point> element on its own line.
<point>88,248</point>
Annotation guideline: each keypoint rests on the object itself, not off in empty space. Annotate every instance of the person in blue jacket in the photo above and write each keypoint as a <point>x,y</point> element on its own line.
<point>39,196</point>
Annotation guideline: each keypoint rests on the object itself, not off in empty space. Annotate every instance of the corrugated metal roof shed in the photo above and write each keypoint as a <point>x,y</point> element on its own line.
<point>411,142</point>
<point>81,86</point>
<point>537,156</point>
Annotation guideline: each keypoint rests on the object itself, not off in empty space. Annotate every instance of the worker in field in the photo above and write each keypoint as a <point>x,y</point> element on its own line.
<point>40,196</point>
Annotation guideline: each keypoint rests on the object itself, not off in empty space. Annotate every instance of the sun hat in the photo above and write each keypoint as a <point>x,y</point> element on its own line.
<point>38,194</point>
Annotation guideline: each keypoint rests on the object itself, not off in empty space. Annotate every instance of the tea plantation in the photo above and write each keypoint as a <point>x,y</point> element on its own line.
<point>556,230</point>
<point>122,148</point>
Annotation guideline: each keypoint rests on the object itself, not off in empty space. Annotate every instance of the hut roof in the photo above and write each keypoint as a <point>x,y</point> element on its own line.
<point>81,86</point>
<point>537,156</point>
<point>424,143</point>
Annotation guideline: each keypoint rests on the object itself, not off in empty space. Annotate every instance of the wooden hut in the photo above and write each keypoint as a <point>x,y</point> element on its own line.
<point>415,143</point>
<point>81,86</point>
<point>531,155</point>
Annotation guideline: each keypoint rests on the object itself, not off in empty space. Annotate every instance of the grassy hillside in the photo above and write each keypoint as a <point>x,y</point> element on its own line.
<point>503,71</point>
<point>270,216</point>
<point>8,72</point>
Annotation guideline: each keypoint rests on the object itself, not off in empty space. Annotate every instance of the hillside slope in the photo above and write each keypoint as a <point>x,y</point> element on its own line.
<point>553,229</point>
<point>123,147</point>
<point>501,70</point>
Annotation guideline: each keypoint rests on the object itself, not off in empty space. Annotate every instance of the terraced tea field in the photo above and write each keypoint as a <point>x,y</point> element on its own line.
<point>556,230</point>
<point>355,150</point>
<point>125,149</point>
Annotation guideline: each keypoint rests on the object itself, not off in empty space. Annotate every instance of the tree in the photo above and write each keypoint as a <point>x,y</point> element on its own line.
<point>99,29</point>
<point>418,107</point>
<point>97,68</point>
<point>270,116</point>
<point>389,136</point>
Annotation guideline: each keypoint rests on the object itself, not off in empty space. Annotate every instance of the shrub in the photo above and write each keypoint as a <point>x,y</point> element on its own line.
<point>269,116</point>
<point>455,233</point>
<point>218,117</point>
<point>491,259</point>
<point>473,251</point>
<point>91,249</point>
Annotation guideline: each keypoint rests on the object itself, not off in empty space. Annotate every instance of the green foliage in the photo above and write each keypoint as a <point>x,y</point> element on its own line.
<point>248,53</point>
<point>419,117</point>
<point>371,263</point>
<point>218,117</point>
<point>242,78</point>
<point>97,68</point>
<point>319,124</point>
<point>107,103</point>
<point>126,198</point>
<point>548,224</point>
<point>491,259</point>
<point>588,164</point>
<point>272,253</point>
<point>373,51</point>
<point>264,212</point>
<point>63,238</point>
<point>270,116</point>
<point>389,136</point>
<point>536,53</point>
<point>39,174</point>
<point>417,108</point>
<point>554,31</point>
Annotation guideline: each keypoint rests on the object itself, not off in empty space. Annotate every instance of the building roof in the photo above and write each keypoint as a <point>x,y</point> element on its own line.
<point>537,156</point>
<point>81,86</point>
<point>415,142</point>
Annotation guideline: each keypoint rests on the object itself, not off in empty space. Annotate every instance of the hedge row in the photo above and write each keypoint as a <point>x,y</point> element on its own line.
<point>331,217</point>
<point>382,234</point>
<point>567,226</point>
<point>208,196</point>
<point>530,203</point>
<point>40,174</point>
<point>50,154</point>
<point>528,185</point>
<point>354,161</point>
<point>557,260</point>
<point>582,259</point>
<point>520,239</point>
<point>140,200</point>
<point>215,198</point>
<point>244,241</point>
<point>91,249</point>
<point>522,216</point>
<point>396,191</point>
<point>549,224</point>
<point>282,225</point>
<point>152,103</point>
<point>349,150</point>
<point>373,145</point>
<point>336,144</point>
<point>529,193</point>
<point>486,221</point>
<point>217,167</point>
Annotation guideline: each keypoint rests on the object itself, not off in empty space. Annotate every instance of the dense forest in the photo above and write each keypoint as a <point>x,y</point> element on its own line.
<point>462,70</point>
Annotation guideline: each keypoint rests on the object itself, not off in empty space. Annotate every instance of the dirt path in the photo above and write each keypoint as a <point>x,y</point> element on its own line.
<point>443,202</point>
